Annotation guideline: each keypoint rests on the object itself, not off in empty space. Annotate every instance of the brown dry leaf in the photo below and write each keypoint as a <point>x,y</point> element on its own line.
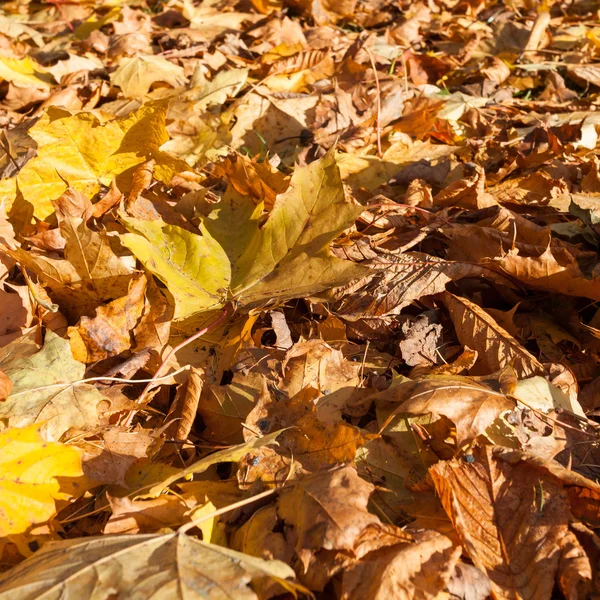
<point>316,364</point>
<point>495,346</point>
<point>5,385</point>
<point>312,442</point>
<point>90,273</point>
<point>469,583</point>
<point>183,410</point>
<point>330,512</point>
<point>552,271</point>
<point>471,406</point>
<point>514,526</point>
<point>224,408</point>
<point>109,332</point>
<point>257,180</point>
<point>397,281</point>
<point>466,193</point>
<point>326,11</point>
<point>146,516</point>
<point>584,493</point>
<point>420,570</point>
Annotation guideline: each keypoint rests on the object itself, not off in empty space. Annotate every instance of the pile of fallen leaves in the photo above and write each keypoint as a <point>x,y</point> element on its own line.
<point>299,298</point>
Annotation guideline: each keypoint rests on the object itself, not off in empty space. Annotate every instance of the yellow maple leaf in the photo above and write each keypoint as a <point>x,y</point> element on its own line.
<point>24,72</point>
<point>34,476</point>
<point>79,151</point>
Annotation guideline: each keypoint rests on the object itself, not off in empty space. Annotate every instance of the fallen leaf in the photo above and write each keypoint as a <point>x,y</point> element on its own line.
<point>471,406</point>
<point>81,152</point>
<point>312,441</point>
<point>24,72</point>
<point>46,390</point>
<point>194,267</point>
<point>182,413</point>
<point>209,569</point>
<point>137,74</point>
<point>109,332</point>
<point>513,528</point>
<point>329,512</point>
<point>397,281</point>
<point>419,570</point>
<point>495,346</point>
<point>37,477</point>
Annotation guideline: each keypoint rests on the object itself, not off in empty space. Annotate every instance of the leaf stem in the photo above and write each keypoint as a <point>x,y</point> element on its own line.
<point>165,362</point>
<point>378,91</point>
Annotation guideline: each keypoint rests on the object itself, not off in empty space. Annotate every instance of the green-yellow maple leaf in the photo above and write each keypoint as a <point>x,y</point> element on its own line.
<point>194,268</point>
<point>81,152</point>
<point>285,256</point>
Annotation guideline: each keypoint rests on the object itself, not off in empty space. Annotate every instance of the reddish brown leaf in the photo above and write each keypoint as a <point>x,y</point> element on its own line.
<point>496,348</point>
<point>513,526</point>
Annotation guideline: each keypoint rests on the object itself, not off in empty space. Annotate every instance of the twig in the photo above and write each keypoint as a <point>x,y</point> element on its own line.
<point>378,90</point>
<point>225,509</point>
<point>91,379</point>
<point>165,362</point>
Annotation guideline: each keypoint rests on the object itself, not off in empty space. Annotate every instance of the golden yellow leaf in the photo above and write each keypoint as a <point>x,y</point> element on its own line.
<point>23,72</point>
<point>32,475</point>
<point>78,150</point>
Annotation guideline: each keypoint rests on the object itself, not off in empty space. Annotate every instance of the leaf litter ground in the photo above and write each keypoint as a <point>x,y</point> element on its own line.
<point>299,298</point>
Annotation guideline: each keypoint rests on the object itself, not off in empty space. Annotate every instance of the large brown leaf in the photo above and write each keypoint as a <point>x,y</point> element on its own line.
<point>471,406</point>
<point>397,281</point>
<point>526,252</point>
<point>404,572</point>
<point>496,347</point>
<point>330,512</point>
<point>513,526</point>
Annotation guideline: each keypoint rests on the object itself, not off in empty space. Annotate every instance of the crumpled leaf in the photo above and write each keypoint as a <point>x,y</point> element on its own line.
<point>396,281</point>
<point>44,390</point>
<point>36,476</point>
<point>312,441</point>
<point>78,150</point>
<point>495,346</point>
<point>405,571</point>
<point>330,512</point>
<point>513,526</point>
<point>90,273</point>
<point>471,406</point>
<point>109,332</point>
<point>174,566</point>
